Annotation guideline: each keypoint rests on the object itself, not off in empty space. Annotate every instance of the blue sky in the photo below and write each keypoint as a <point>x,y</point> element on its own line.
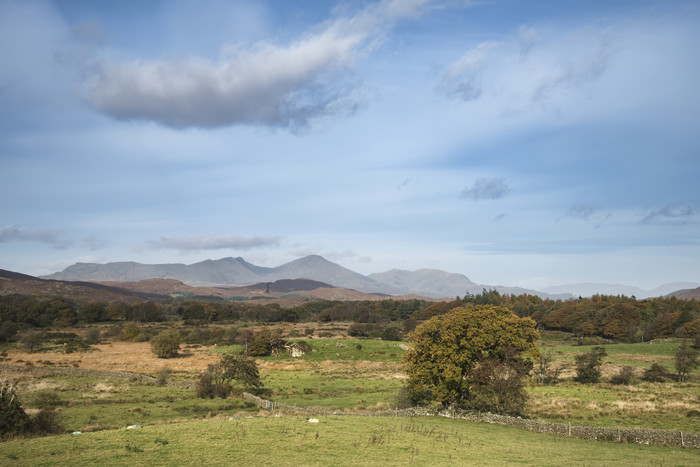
<point>519,143</point>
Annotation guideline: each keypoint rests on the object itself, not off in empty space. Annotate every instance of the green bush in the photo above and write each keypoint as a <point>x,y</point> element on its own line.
<point>47,400</point>
<point>625,375</point>
<point>217,379</point>
<point>655,374</point>
<point>129,332</point>
<point>166,344</point>
<point>163,375</point>
<point>391,334</point>
<point>265,343</point>
<point>588,365</point>
<point>686,360</point>
<point>46,422</point>
<point>13,419</point>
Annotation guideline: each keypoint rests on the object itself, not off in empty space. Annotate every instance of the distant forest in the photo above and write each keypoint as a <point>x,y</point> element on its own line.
<point>618,318</point>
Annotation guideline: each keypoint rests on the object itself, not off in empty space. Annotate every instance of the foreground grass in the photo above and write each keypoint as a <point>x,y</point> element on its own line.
<point>90,404</point>
<point>291,440</point>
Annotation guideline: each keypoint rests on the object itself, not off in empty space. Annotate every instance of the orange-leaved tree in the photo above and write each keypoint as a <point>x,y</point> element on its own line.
<point>474,357</point>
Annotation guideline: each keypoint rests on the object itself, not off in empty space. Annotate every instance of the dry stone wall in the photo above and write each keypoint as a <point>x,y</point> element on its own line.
<point>623,435</point>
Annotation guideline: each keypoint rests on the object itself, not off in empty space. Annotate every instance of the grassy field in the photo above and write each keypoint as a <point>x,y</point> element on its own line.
<point>291,440</point>
<point>340,375</point>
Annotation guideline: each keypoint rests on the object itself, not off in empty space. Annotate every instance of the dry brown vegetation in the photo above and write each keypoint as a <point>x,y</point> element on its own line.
<point>120,356</point>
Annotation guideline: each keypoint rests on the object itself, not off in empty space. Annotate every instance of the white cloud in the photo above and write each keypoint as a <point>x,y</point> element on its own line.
<point>266,84</point>
<point>207,242</point>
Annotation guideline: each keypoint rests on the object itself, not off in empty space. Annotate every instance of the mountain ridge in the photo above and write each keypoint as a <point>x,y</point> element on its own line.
<point>435,283</point>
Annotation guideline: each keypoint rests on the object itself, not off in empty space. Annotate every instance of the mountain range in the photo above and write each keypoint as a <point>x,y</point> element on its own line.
<point>228,272</point>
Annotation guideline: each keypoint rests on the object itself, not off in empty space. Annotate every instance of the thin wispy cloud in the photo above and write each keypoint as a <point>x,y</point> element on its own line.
<point>14,233</point>
<point>267,84</point>
<point>580,211</point>
<point>675,212</point>
<point>531,68</point>
<point>94,242</point>
<point>486,188</point>
<point>207,242</point>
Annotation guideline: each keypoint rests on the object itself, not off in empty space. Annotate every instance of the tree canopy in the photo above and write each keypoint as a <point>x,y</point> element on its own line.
<point>472,357</point>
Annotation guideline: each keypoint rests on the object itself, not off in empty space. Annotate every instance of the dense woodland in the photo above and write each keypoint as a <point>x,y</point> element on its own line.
<point>618,318</point>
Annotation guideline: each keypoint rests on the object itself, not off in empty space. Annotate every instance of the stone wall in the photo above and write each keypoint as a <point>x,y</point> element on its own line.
<point>626,435</point>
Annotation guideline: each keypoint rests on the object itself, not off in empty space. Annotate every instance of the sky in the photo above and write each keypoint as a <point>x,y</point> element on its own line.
<point>518,143</point>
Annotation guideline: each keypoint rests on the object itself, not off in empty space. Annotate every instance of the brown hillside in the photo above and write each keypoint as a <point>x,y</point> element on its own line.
<point>690,294</point>
<point>15,283</point>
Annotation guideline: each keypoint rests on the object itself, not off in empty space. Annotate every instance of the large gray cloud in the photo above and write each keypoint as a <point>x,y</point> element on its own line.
<point>207,242</point>
<point>13,233</point>
<point>266,84</point>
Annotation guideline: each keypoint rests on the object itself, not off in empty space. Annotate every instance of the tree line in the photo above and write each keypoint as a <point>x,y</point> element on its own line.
<point>618,317</point>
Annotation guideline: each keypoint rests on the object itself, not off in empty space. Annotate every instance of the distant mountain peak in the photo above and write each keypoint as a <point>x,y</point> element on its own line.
<point>426,282</point>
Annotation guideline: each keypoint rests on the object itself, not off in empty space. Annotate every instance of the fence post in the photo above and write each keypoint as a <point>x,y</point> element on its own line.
<point>682,442</point>
<point>569,429</point>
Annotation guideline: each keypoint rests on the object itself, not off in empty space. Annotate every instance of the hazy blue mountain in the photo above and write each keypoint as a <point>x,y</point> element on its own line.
<point>441,284</point>
<point>673,287</point>
<point>589,289</point>
<point>225,271</point>
<point>428,282</point>
<point>320,269</point>
<point>209,272</point>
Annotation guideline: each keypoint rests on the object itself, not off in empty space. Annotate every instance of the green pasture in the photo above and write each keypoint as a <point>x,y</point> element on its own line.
<point>336,349</point>
<point>331,390</point>
<point>640,354</point>
<point>109,403</point>
<point>666,406</point>
<point>336,440</point>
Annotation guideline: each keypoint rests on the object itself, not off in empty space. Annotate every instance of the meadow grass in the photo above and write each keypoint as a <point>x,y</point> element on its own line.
<point>339,390</point>
<point>88,404</point>
<point>345,378</point>
<point>640,354</point>
<point>372,350</point>
<point>334,440</point>
<point>666,406</point>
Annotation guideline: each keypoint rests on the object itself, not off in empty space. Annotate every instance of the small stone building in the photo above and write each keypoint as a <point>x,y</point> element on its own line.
<point>294,349</point>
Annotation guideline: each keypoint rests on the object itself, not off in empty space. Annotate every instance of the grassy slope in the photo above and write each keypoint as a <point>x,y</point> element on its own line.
<point>291,440</point>
<point>347,378</point>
